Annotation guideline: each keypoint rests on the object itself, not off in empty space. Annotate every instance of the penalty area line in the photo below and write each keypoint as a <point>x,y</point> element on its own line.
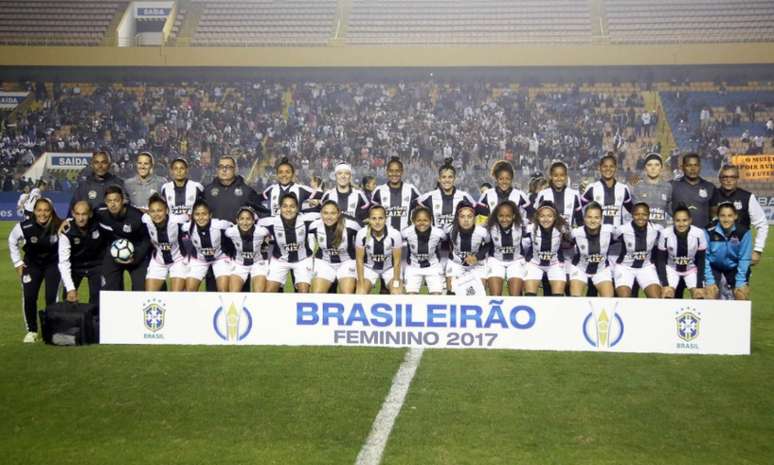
<point>373,448</point>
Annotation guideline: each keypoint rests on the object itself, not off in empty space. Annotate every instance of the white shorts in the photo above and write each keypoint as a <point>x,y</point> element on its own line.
<point>645,276</point>
<point>454,269</point>
<point>505,270</point>
<point>279,269</point>
<point>259,268</point>
<point>156,270</point>
<point>432,275</point>
<point>197,269</point>
<point>674,276</point>
<point>601,276</point>
<point>373,276</point>
<point>554,272</point>
<point>333,271</point>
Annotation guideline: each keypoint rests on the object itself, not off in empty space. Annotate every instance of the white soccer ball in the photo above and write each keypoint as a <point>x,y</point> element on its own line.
<point>122,249</point>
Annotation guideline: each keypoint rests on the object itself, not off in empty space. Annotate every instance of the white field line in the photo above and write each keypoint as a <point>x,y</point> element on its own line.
<point>371,453</point>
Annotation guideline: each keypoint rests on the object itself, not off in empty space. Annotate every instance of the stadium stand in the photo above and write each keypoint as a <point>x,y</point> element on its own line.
<point>428,22</point>
<point>63,22</point>
<point>265,23</point>
<point>670,21</point>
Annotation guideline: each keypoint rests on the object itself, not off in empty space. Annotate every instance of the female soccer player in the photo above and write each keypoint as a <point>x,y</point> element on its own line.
<point>614,196</point>
<point>166,236</point>
<point>210,246</point>
<point>181,193</point>
<point>442,202</point>
<point>680,256</point>
<point>635,263</point>
<point>291,249</point>
<point>37,237</point>
<point>506,256</point>
<point>469,245</point>
<point>249,259</point>
<point>352,202</point>
<point>589,262</point>
<point>397,197</point>
<point>502,171</point>
<point>549,235</point>
<point>424,259</point>
<point>285,185</point>
<point>566,200</point>
<point>730,254</point>
<point>333,238</point>
<point>378,253</point>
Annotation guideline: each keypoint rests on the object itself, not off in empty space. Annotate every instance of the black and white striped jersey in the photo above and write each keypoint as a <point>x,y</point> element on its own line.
<point>614,200</point>
<point>166,239</point>
<point>321,239</point>
<point>464,243</point>
<point>248,245</point>
<point>272,194</point>
<point>546,246</point>
<point>494,196</point>
<point>567,202</point>
<point>398,202</point>
<point>638,244</point>
<point>209,241</point>
<point>443,206</point>
<point>378,252</point>
<point>591,249</point>
<point>290,241</point>
<point>507,244</point>
<point>424,249</point>
<point>181,199</point>
<point>354,203</point>
<point>681,249</point>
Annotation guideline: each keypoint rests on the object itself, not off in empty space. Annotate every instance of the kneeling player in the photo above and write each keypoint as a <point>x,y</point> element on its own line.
<point>378,253</point>
<point>249,263</point>
<point>209,245</point>
<point>167,259</point>
<point>549,233</point>
<point>681,254</point>
<point>333,236</point>
<point>424,259</point>
<point>590,260</point>
<point>638,242</point>
<point>506,255</point>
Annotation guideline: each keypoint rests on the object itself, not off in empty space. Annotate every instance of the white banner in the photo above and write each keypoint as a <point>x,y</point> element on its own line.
<point>767,203</point>
<point>67,160</point>
<point>530,323</point>
<point>10,100</point>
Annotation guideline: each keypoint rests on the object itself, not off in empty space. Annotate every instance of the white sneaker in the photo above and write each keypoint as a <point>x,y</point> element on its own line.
<point>31,337</point>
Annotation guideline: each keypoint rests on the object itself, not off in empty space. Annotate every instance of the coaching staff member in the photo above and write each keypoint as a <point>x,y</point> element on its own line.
<point>82,246</point>
<point>693,191</point>
<point>93,181</point>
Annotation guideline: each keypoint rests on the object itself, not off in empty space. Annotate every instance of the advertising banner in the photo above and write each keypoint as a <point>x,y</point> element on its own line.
<point>754,167</point>
<point>68,161</point>
<point>767,203</point>
<point>11,100</point>
<point>9,211</point>
<point>442,322</point>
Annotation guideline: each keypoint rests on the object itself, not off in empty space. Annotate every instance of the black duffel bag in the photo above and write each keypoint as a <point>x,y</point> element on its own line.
<point>70,324</point>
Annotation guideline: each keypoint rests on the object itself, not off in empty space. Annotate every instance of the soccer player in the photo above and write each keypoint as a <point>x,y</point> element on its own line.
<point>352,202</point>
<point>82,246</point>
<point>250,261</point>
<point>469,244</point>
<point>506,256</point>
<point>424,253</point>
<point>397,197</point>
<point>442,202</point>
<point>680,256</point>
<point>304,194</point>
<point>166,236</point>
<point>748,210</point>
<point>502,171</point>
<point>590,262</point>
<point>729,255</point>
<point>635,263</point>
<point>140,187</point>
<point>378,253</point>
<point>613,196</point>
<point>549,234</point>
<point>37,237</point>
<point>333,238</point>
<point>566,200</point>
<point>181,193</point>
<point>655,192</point>
<point>210,249</point>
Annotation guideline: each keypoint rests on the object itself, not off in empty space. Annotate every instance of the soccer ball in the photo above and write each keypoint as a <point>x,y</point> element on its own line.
<point>122,249</point>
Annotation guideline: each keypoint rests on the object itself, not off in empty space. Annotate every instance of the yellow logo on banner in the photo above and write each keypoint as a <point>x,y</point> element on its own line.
<point>755,167</point>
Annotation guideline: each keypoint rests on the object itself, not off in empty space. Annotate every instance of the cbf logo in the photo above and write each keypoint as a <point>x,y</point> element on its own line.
<point>602,328</point>
<point>232,323</point>
<point>688,325</point>
<point>153,313</point>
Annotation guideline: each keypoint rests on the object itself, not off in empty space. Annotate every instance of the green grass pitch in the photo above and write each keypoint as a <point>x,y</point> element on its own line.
<point>268,405</point>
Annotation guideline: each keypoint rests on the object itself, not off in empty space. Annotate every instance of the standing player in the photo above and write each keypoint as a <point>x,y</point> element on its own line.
<point>273,194</point>
<point>37,237</point>
<point>502,171</point>
<point>166,236</point>
<point>181,193</point>
<point>291,251</point>
<point>655,192</point>
<point>333,238</point>
<point>82,247</point>
<point>635,264</point>
<point>29,201</point>
<point>590,262</point>
<point>250,261</point>
<point>693,191</point>
<point>397,197</point>
<point>378,253</point>
<point>749,211</point>
<point>613,196</point>
<point>566,200</point>
<point>681,254</point>
<point>443,201</point>
<point>352,202</point>
<point>424,258</point>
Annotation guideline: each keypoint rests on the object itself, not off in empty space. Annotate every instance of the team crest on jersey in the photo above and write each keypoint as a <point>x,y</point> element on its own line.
<point>34,239</point>
<point>406,198</point>
<point>663,197</point>
<point>95,235</point>
<point>582,247</point>
<point>76,240</point>
<point>215,191</point>
<point>53,238</point>
<point>127,228</point>
<point>238,192</point>
<point>190,198</point>
<point>703,193</point>
<point>92,195</point>
<point>737,204</point>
